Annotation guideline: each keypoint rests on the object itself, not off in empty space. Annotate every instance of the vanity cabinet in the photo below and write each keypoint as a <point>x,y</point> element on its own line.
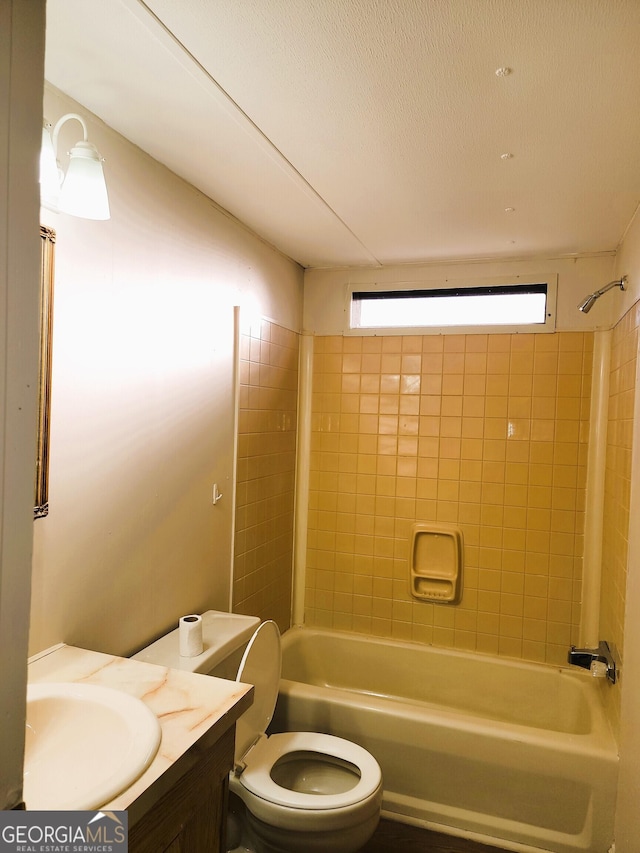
<point>191,817</point>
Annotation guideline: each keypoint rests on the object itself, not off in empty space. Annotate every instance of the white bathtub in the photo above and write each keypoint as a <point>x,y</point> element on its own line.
<point>515,753</point>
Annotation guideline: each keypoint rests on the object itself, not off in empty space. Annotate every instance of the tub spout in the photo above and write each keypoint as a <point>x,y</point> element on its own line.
<point>600,661</point>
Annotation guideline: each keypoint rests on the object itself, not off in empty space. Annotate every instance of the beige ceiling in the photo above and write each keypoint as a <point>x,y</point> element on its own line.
<point>364,132</point>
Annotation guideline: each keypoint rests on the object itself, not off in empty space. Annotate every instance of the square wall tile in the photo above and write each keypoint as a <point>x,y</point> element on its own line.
<point>484,431</point>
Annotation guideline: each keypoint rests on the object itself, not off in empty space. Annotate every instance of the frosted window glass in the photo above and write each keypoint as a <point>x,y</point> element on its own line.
<point>489,309</point>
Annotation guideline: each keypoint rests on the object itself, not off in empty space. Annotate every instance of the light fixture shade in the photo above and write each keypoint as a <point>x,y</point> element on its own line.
<point>84,191</point>
<point>49,173</point>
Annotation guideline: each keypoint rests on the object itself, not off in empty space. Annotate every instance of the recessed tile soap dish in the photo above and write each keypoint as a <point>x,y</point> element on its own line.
<point>436,557</point>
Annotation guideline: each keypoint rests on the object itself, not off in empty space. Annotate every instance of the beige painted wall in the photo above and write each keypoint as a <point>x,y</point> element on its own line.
<point>143,415</point>
<point>324,290</point>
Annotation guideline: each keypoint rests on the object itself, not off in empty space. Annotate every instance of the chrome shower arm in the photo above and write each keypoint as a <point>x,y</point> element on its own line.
<point>587,303</point>
<point>619,282</point>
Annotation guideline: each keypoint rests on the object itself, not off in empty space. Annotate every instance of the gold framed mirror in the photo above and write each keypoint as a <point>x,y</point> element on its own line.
<point>48,240</point>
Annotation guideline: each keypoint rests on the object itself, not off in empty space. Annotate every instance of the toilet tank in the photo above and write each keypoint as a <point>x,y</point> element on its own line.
<point>224,638</point>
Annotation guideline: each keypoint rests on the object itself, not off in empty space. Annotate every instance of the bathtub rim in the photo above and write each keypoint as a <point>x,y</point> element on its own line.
<point>502,660</point>
<point>601,736</point>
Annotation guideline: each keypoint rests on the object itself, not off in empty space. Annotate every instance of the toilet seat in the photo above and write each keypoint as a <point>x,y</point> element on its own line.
<point>260,666</point>
<point>256,754</point>
<point>256,777</point>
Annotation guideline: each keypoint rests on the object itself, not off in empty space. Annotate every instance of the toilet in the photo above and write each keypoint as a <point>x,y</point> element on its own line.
<point>292,791</point>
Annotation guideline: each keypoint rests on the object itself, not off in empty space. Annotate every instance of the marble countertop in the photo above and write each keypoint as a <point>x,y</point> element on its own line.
<point>188,706</point>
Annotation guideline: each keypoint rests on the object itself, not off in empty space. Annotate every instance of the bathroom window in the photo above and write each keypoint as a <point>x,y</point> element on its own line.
<point>477,307</point>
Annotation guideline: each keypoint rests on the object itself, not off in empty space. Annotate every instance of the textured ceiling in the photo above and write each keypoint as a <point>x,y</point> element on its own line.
<point>352,132</point>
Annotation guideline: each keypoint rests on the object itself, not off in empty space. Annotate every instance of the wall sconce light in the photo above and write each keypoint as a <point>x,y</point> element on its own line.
<point>83,191</point>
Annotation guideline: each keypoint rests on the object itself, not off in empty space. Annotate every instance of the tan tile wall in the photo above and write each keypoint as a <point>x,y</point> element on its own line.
<point>624,351</point>
<point>266,472</point>
<point>486,431</point>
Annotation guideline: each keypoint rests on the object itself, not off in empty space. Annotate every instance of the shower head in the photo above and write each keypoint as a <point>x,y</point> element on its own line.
<point>587,303</point>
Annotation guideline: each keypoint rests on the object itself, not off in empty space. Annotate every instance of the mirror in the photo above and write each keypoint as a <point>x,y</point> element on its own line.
<point>48,239</point>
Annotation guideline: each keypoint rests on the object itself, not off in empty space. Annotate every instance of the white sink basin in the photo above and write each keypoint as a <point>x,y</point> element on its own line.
<point>85,744</point>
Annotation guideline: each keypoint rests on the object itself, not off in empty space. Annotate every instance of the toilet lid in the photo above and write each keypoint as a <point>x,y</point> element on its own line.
<point>260,666</point>
<point>257,777</point>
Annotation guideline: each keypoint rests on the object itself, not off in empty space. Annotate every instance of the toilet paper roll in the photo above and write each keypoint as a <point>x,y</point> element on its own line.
<point>190,631</point>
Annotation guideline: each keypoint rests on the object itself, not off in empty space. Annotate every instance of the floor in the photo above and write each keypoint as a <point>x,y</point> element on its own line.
<point>392,837</point>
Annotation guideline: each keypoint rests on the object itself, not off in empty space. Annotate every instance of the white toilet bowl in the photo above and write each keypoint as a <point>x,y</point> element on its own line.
<point>309,791</point>
<point>302,791</point>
